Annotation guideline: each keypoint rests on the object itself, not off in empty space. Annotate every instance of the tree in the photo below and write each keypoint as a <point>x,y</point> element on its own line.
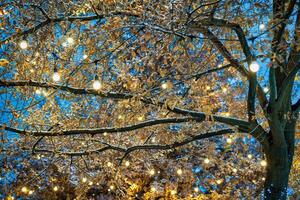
<point>152,63</point>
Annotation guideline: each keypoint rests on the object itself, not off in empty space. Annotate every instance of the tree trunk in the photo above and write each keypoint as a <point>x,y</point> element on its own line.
<point>277,173</point>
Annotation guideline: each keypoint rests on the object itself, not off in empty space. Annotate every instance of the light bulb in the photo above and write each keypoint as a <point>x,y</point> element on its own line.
<point>196,189</point>
<point>127,163</point>
<point>84,179</point>
<point>173,192</point>
<point>70,40</point>
<point>254,66</point>
<point>153,189</point>
<point>38,92</point>
<point>234,170</point>
<point>140,118</point>
<point>30,192</point>
<point>55,188</point>
<point>152,172</point>
<point>109,164</point>
<point>219,181</point>
<point>24,189</point>
<point>23,44</point>
<point>164,86</point>
<point>224,89</point>
<point>179,171</point>
<point>97,84</point>
<point>90,183</point>
<point>229,140</point>
<point>263,163</point>
<point>261,27</point>
<point>206,160</point>
<point>111,187</point>
<point>84,56</point>
<point>249,156</point>
<point>56,77</point>
<point>266,89</point>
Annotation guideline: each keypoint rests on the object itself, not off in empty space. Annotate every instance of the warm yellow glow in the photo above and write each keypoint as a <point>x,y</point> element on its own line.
<point>105,134</point>
<point>109,164</point>
<point>196,189</point>
<point>249,156</point>
<point>85,56</point>
<point>141,118</point>
<point>179,171</point>
<point>90,183</point>
<point>261,27</point>
<point>24,189</point>
<point>153,189</point>
<point>254,66</point>
<point>206,160</point>
<point>97,85</point>
<point>173,192</point>
<point>219,181</point>
<point>266,89</point>
<point>164,86</point>
<point>229,140</point>
<point>56,76</point>
<point>127,163</point>
<point>208,87</point>
<point>55,188</point>
<point>38,91</point>
<point>263,163</point>
<point>112,187</point>
<point>30,192</point>
<point>234,170</point>
<point>84,179</point>
<point>152,172</point>
<point>23,44</point>
<point>70,40</point>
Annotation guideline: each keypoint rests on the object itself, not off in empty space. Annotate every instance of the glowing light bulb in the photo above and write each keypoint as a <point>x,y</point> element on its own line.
<point>153,189</point>
<point>266,89</point>
<point>262,27</point>
<point>84,179</point>
<point>219,181</point>
<point>112,187</point>
<point>208,87</point>
<point>249,156</point>
<point>30,192</point>
<point>179,171</point>
<point>206,160</point>
<point>23,44</point>
<point>263,163</point>
<point>105,133</point>
<point>229,140</point>
<point>109,164</point>
<point>97,84</point>
<point>164,86</point>
<point>55,188</point>
<point>173,192</point>
<point>152,172</point>
<point>254,66</point>
<point>140,118</point>
<point>24,189</point>
<point>224,89</point>
<point>196,189</point>
<point>56,77</point>
<point>127,163</point>
<point>38,91</point>
<point>84,56</point>
<point>234,170</point>
<point>70,40</point>
<point>90,183</point>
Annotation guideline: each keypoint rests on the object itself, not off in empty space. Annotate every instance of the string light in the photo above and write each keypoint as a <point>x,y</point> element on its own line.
<point>38,92</point>
<point>234,170</point>
<point>97,84</point>
<point>219,181</point>
<point>152,172</point>
<point>85,56</point>
<point>153,189</point>
<point>196,189</point>
<point>229,140</point>
<point>23,44</point>
<point>24,189</point>
<point>84,179</point>
<point>105,133</point>
<point>208,87</point>
<point>206,160</point>
<point>173,192</point>
<point>254,66</point>
<point>164,86</point>
<point>90,183</point>
<point>127,163</point>
<point>266,89</point>
<point>56,75</point>
<point>30,192</point>
<point>179,171</point>
<point>249,156</point>
<point>263,163</point>
<point>224,89</point>
<point>261,27</point>
<point>109,164</point>
<point>140,118</point>
<point>112,187</point>
<point>55,188</point>
<point>70,40</point>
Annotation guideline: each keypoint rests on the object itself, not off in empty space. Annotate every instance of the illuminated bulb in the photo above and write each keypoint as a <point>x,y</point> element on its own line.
<point>140,118</point>
<point>249,156</point>
<point>234,170</point>
<point>152,172</point>
<point>30,192</point>
<point>105,134</point>
<point>196,189</point>
<point>24,189</point>
<point>229,140</point>
<point>206,160</point>
<point>56,77</point>
<point>84,56</point>
<point>254,66</point>
<point>127,163</point>
<point>263,179</point>
<point>173,192</point>
<point>120,116</point>
<point>164,86</point>
<point>111,187</point>
<point>153,140</point>
<point>109,164</point>
<point>55,188</point>
<point>208,87</point>
<point>84,179</point>
<point>224,90</point>
<point>23,44</point>
<point>219,181</point>
<point>261,27</point>
<point>70,40</point>
<point>227,114</point>
<point>153,189</point>
<point>90,183</point>
<point>179,171</point>
<point>97,84</point>
<point>263,163</point>
<point>266,89</point>
<point>64,44</point>
<point>38,91</point>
